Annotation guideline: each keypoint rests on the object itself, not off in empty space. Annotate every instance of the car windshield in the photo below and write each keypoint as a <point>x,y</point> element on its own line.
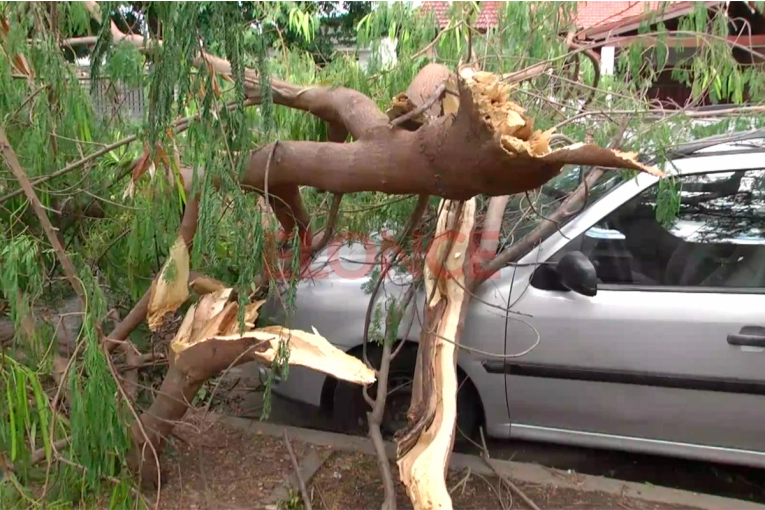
<point>521,219</point>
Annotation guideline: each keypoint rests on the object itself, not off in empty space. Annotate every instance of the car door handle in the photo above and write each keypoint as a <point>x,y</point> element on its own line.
<point>749,336</point>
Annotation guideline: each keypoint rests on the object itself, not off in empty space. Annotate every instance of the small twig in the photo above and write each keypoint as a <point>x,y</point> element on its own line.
<point>135,414</point>
<point>324,504</point>
<point>437,94</point>
<point>301,482</point>
<point>73,166</point>
<point>462,483</point>
<point>223,376</point>
<point>510,485</point>
<point>268,168</point>
<point>39,454</point>
<point>28,100</point>
<point>414,220</point>
<point>432,43</point>
<point>321,242</point>
<point>496,492</point>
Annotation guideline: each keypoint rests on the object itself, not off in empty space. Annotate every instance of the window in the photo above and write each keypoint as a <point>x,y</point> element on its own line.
<point>705,230</point>
<point>521,219</point>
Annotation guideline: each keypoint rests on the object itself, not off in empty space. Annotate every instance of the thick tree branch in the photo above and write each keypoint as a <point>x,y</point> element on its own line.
<point>429,161</point>
<point>548,225</point>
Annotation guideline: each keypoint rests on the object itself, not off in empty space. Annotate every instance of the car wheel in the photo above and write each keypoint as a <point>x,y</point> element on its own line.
<point>350,409</point>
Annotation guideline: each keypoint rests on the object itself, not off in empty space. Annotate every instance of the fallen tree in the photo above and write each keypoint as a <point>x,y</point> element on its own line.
<point>451,135</point>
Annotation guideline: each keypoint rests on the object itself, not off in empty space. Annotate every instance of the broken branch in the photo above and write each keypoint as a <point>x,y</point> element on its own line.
<point>21,176</point>
<point>296,467</point>
<point>425,445</point>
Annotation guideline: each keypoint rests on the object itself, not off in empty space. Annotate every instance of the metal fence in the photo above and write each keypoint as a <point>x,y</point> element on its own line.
<point>113,100</point>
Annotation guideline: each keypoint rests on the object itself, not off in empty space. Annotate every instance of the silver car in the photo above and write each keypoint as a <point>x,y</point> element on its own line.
<point>665,356</point>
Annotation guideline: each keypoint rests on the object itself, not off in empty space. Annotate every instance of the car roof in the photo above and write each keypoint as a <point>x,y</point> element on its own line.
<point>751,141</point>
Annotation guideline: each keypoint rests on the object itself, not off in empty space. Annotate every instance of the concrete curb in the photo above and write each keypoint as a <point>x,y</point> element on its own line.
<point>309,466</point>
<point>516,471</point>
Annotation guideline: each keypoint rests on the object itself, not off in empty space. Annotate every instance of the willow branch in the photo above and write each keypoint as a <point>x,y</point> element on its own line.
<point>649,38</point>
<point>179,126</point>
<point>21,176</point>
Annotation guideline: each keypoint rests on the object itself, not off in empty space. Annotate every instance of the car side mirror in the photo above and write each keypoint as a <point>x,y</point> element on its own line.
<point>576,272</point>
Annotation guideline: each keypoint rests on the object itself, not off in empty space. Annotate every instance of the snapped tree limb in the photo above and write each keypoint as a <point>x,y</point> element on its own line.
<point>425,445</point>
<point>209,341</point>
<point>486,135</point>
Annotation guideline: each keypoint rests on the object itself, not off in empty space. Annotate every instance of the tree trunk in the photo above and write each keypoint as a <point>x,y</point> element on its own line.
<point>209,342</point>
<point>425,445</point>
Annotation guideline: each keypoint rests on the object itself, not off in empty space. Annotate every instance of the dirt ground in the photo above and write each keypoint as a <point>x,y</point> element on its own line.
<point>351,481</point>
<point>213,466</point>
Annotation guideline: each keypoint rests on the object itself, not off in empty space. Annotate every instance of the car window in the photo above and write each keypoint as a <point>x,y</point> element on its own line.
<point>520,219</point>
<point>704,231</point>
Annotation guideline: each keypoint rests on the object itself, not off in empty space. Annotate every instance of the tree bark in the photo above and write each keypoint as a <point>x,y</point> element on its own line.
<point>208,342</point>
<point>504,157</point>
<point>425,446</point>
<point>503,160</point>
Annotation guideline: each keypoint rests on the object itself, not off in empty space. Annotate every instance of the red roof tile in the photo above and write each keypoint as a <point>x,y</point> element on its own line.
<point>589,14</point>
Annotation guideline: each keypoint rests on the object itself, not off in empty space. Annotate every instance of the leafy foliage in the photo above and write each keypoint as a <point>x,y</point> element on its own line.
<point>118,242</point>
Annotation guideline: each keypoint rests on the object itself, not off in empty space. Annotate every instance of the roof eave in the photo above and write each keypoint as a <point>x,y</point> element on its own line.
<point>633,22</point>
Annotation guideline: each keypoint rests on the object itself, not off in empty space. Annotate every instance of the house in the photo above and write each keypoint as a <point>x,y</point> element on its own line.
<point>588,16</point>
<point>613,25</point>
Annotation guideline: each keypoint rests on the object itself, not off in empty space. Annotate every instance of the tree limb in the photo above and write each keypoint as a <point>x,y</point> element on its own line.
<point>549,224</point>
<point>492,224</point>
<point>381,158</point>
<point>21,176</point>
<point>296,467</point>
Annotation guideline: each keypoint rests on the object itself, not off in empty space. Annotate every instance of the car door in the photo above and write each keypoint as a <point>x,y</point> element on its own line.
<point>669,356</point>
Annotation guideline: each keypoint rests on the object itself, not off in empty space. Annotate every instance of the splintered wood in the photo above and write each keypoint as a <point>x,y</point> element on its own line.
<point>423,467</point>
<point>514,130</point>
<point>506,117</point>
<point>212,326</point>
<point>170,290</point>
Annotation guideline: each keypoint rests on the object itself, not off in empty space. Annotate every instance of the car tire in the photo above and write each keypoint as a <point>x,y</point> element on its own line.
<point>349,409</point>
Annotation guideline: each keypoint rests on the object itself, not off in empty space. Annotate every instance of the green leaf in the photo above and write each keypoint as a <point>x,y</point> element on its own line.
<point>43,414</point>
<point>12,416</point>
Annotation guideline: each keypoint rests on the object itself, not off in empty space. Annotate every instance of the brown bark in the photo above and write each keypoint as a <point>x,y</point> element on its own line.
<point>206,344</point>
<point>425,446</point>
<point>429,161</point>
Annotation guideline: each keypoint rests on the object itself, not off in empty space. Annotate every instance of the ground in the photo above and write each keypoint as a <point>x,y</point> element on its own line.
<point>215,466</point>
<point>352,480</point>
<point>211,465</point>
<point>729,481</point>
